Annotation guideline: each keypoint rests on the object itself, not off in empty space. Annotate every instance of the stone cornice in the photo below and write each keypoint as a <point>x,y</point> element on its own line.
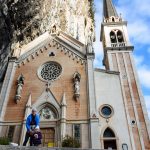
<point>77,53</point>
<point>106,71</point>
<point>125,48</point>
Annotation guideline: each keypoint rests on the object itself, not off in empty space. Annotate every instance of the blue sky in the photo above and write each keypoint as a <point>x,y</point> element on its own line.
<point>137,13</point>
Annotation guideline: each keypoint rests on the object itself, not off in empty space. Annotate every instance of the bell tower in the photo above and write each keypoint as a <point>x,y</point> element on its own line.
<point>118,56</point>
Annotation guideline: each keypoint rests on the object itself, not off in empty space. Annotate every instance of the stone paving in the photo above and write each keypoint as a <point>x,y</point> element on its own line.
<point>36,148</point>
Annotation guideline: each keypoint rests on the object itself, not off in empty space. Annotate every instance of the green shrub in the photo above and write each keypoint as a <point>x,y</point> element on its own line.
<point>4,141</point>
<point>70,142</point>
<point>92,10</point>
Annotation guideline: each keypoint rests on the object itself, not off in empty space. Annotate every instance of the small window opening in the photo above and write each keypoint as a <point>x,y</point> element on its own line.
<point>52,54</point>
<point>113,19</point>
<point>77,132</point>
<point>11,132</point>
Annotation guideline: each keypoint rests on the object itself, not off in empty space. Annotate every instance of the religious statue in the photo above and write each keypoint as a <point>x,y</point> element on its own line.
<point>20,83</point>
<point>89,34</point>
<point>89,44</point>
<point>76,79</point>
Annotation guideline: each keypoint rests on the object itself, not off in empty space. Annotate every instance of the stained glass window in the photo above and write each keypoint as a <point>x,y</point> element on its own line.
<point>50,71</point>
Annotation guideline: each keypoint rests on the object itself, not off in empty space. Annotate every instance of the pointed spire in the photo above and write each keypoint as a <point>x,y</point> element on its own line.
<point>28,107</point>
<point>29,101</point>
<point>109,9</point>
<point>63,102</point>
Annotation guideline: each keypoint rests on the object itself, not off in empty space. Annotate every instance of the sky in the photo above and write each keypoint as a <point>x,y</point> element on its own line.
<point>137,13</point>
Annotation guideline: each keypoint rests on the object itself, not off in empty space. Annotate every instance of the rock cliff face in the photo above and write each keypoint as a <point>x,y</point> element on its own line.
<point>21,21</point>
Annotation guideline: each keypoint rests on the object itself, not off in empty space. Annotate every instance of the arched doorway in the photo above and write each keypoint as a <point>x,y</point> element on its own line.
<point>109,139</point>
<point>49,118</point>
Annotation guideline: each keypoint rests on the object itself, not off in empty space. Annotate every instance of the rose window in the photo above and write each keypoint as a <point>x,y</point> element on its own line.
<point>50,71</point>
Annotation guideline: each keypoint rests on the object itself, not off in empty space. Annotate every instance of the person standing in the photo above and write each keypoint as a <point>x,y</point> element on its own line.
<point>33,121</point>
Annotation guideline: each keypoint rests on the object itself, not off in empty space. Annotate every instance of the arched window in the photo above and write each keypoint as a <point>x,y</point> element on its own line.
<point>108,133</point>
<point>113,19</point>
<point>113,37</point>
<point>109,139</point>
<point>116,38</point>
<point>120,36</point>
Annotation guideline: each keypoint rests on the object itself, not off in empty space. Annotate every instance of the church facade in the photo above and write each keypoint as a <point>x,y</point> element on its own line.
<point>54,73</point>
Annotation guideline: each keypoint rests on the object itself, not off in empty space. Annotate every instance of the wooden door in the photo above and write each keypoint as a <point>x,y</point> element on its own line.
<point>48,137</point>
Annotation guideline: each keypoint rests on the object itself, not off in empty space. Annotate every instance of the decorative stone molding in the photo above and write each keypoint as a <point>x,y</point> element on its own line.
<point>25,58</point>
<point>47,98</point>
<point>63,116</point>
<point>20,83</point>
<point>27,113</point>
<point>94,115</point>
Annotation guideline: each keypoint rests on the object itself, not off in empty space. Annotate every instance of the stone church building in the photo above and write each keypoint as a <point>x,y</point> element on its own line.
<point>54,73</point>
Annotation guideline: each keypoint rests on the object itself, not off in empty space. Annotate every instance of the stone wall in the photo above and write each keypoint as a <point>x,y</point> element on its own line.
<point>35,86</point>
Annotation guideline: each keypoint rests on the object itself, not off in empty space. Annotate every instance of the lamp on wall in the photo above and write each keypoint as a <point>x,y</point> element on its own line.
<point>124,146</point>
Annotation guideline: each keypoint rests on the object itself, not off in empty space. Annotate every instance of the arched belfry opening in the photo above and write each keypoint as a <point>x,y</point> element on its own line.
<point>109,139</point>
<point>120,36</point>
<point>113,37</point>
<point>113,19</point>
<point>116,38</point>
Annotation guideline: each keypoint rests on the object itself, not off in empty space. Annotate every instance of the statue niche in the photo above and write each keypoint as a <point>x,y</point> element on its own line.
<point>76,80</point>
<point>20,83</point>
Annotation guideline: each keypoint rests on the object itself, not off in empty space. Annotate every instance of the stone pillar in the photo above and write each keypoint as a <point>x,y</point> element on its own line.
<point>94,121</point>
<point>63,116</point>
<point>4,95</point>
<point>27,112</point>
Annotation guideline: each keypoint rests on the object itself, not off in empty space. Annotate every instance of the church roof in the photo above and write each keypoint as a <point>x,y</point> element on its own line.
<point>109,9</point>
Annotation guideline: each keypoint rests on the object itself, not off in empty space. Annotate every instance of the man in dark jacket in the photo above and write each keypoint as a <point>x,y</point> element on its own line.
<point>32,122</point>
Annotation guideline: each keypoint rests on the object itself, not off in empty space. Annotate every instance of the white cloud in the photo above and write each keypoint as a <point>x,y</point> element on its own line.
<point>138,60</point>
<point>143,71</point>
<point>144,75</point>
<point>148,50</point>
<point>137,13</point>
<point>147,100</point>
<point>97,44</point>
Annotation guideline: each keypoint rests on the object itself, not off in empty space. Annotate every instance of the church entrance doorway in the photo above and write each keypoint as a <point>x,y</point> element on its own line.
<point>48,137</point>
<point>109,139</point>
<point>49,125</point>
<point>110,144</point>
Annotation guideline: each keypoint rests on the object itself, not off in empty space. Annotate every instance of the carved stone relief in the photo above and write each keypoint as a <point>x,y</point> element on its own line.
<point>47,114</point>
